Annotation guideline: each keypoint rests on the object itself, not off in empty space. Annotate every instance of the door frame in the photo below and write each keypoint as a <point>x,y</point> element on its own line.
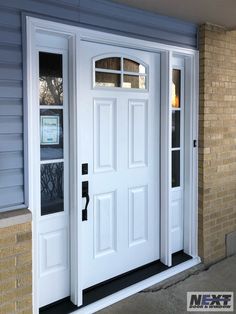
<point>75,35</point>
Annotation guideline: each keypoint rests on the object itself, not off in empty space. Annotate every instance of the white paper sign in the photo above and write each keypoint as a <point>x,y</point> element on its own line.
<point>50,130</point>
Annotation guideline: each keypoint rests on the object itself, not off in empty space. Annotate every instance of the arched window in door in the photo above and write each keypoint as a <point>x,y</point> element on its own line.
<point>120,72</point>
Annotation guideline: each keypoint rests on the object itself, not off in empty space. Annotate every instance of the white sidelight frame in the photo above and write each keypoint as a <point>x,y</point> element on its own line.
<point>74,36</point>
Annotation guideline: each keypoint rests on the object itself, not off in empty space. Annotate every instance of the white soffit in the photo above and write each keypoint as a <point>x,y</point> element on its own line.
<point>220,12</point>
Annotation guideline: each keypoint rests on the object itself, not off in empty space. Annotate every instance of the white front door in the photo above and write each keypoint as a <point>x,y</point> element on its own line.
<point>119,112</point>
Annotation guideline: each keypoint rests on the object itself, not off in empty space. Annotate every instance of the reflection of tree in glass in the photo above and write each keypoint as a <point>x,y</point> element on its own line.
<point>52,182</point>
<point>51,90</point>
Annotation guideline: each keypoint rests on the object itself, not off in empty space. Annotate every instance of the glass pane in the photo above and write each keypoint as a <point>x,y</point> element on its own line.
<point>176,88</point>
<point>175,168</point>
<point>133,81</point>
<point>175,129</point>
<point>108,63</point>
<point>50,79</point>
<point>107,79</point>
<point>133,66</point>
<point>51,134</point>
<point>52,194</point>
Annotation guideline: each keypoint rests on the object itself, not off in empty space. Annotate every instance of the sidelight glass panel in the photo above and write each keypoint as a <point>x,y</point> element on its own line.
<point>52,178</point>
<point>51,134</point>
<point>133,66</point>
<point>133,81</point>
<point>175,129</point>
<point>50,79</point>
<point>103,79</point>
<point>175,168</point>
<point>109,63</point>
<point>176,78</point>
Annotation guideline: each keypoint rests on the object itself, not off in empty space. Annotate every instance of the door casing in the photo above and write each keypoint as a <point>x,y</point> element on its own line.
<point>74,36</point>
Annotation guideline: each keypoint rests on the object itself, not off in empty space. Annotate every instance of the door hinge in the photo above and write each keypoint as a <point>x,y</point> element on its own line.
<point>194,143</point>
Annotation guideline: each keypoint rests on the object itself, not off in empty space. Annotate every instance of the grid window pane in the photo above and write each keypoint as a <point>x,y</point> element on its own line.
<point>175,169</point>
<point>175,129</point>
<point>50,79</point>
<point>133,81</point>
<point>176,79</point>
<point>109,63</point>
<point>52,188</point>
<point>133,66</point>
<point>51,137</point>
<point>107,79</point>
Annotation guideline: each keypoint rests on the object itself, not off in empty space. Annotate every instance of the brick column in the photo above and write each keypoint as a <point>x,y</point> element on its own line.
<point>217,140</point>
<point>15,262</point>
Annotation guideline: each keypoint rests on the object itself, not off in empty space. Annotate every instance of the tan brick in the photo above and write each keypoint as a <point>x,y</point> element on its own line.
<point>10,273</point>
<point>13,249</point>
<point>21,237</point>
<point>9,284</point>
<point>16,269</point>
<point>24,303</point>
<point>8,308</point>
<point>217,134</point>
<point>24,259</point>
<point>15,294</point>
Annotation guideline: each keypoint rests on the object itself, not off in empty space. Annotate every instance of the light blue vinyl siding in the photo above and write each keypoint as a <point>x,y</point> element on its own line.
<point>97,14</point>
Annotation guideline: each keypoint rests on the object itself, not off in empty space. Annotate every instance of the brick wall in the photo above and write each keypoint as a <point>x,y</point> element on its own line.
<point>217,140</point>
<point>16,269</point>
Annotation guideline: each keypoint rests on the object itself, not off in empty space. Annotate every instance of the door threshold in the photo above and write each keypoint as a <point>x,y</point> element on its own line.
<point>120,287</point>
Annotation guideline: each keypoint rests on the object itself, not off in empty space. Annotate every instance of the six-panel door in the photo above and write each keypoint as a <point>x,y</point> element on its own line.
<point>119,123</point>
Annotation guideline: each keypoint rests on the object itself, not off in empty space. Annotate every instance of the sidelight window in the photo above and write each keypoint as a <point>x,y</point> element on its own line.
<point>51,107</point>
<point>120,72</point>
<point>176,127</point>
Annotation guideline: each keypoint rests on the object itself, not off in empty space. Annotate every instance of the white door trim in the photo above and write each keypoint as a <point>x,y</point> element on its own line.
<point>74,36</point>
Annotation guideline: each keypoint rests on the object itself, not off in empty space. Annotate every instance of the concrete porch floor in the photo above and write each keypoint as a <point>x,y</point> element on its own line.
<point>171,296</point>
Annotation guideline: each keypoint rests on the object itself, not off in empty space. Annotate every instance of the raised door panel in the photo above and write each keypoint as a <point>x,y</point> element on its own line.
<point>105,224</point>
<point>138,133</point>
<point>53,248</point>
<point>138,215</point>
<point>105,140</point>
<point>176,222</point>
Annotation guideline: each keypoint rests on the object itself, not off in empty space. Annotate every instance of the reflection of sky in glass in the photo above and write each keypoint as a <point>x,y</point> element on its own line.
<point>142,69</point>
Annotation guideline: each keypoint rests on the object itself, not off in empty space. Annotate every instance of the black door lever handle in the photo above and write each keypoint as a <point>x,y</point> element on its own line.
<point>85,210</point>
<point>86,195</point>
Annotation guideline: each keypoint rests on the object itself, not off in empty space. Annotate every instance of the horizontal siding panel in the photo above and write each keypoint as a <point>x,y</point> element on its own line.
<point>11,125</point>
<point>11,160</point>
<point>138,30</point>
<point>98,14</point>
<point>137,23</point>
<point>137,16</point>
<point>11,142</point>
<point>8,89</point>
<point>9,17</point>
<point>11,71</point>
<point>11,197</point>
<point>11,107</point>
<point>11,178</point>
<point>10,36</point>
<point>11,110</point>
<point>50,8</point>
<point>10,53</point>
